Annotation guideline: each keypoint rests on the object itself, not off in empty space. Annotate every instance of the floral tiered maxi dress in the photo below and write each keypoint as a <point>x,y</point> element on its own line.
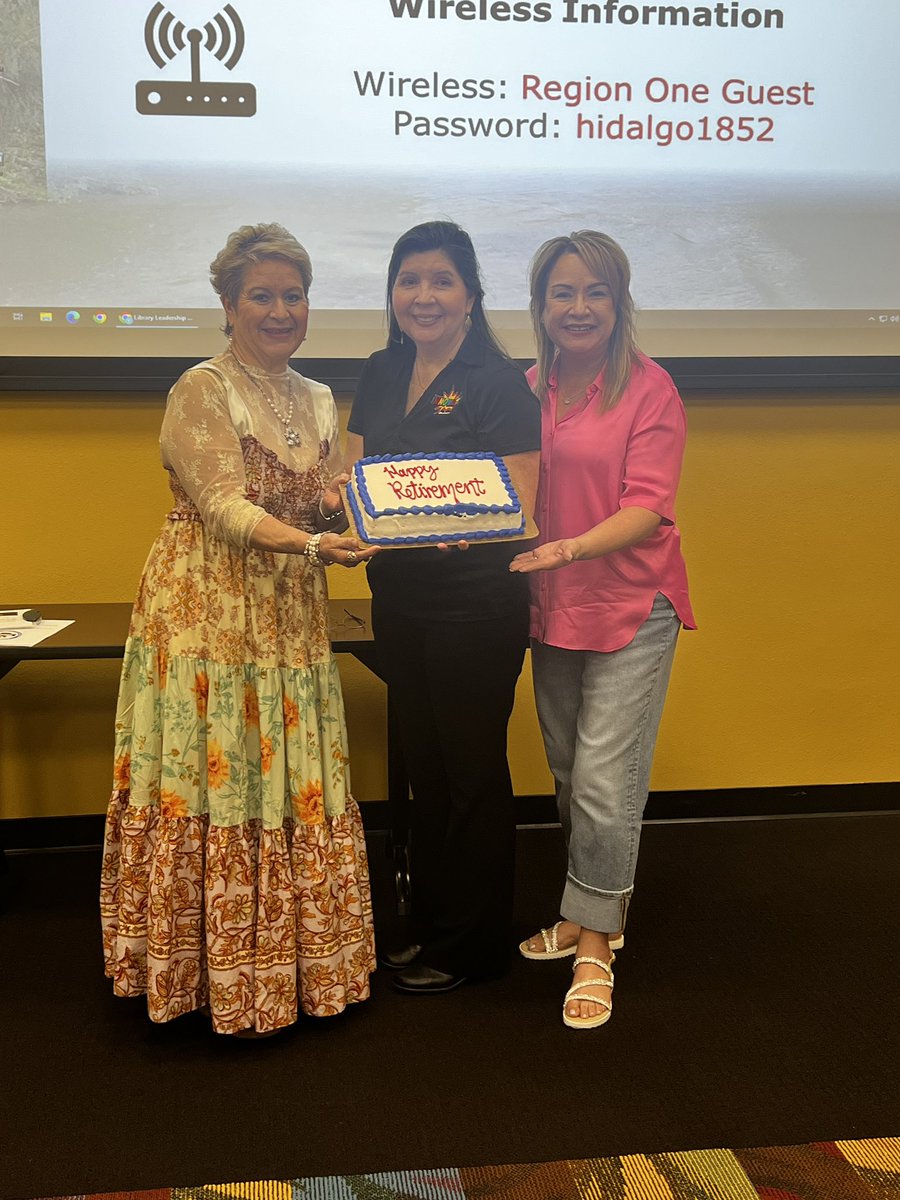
<point>234,868</point>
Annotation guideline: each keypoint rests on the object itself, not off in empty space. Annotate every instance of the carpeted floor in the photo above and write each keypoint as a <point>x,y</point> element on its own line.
<point>861,1170</point>
<point>756,1005</point>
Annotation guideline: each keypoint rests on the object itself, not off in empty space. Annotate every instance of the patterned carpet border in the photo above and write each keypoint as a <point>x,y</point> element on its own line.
<point>857,1170</point>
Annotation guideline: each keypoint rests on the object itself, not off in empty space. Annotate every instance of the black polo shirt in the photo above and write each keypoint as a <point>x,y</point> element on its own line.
<point>480,401</point>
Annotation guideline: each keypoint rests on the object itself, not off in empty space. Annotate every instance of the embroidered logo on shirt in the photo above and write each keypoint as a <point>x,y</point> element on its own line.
<point>446,402</point>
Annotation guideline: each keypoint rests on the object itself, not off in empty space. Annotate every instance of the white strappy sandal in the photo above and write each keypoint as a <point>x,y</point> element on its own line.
<point>550,938</point>
<point>575,992</point>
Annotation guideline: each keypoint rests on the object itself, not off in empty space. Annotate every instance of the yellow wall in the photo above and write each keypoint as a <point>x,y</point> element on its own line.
<point>788,509</point>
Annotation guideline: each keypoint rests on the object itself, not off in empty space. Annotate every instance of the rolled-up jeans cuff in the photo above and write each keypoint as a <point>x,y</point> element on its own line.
<point>603,911</point>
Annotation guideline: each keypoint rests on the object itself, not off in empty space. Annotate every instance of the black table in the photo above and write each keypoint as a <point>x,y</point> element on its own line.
<point>100,631</point>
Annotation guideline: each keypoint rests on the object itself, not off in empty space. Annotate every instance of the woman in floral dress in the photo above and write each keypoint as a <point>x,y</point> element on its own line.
<point>234,870</point>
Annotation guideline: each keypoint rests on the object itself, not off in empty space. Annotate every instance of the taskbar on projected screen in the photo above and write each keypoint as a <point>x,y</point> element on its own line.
<point>53,330</point>
<point>354,333</point>
<point>769,333</point>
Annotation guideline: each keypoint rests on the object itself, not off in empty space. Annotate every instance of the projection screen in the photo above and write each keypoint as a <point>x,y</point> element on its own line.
<point>747,158</point>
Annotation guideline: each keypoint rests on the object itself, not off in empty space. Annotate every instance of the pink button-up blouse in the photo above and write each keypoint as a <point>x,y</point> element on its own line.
<point>594,463</point>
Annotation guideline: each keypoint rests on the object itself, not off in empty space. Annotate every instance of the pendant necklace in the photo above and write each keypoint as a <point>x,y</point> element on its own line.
<point>416,382</point>
<point>291,435</point>
<point>416,388</point>
<point>567,400</point>
<point>418,385</point>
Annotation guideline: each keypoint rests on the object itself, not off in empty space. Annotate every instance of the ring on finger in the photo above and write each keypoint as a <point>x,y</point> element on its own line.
<point>352,558</point>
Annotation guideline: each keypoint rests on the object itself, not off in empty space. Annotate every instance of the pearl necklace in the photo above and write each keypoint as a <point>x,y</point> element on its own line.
<point>291,435</point>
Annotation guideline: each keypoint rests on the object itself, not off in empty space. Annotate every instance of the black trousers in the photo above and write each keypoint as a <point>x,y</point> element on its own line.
<point>452,687</point>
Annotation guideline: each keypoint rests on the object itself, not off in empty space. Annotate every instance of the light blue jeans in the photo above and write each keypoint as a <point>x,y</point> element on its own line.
<point>599,715</point>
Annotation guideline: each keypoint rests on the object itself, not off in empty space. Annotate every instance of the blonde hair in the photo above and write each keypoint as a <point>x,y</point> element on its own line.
<point>605,259</point>
<point>251,244</point>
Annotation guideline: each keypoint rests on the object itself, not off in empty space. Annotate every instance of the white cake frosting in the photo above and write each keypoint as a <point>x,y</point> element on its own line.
<point>418,499</point>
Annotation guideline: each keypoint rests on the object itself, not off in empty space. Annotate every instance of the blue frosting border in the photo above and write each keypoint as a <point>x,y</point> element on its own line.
<point>446,510</point>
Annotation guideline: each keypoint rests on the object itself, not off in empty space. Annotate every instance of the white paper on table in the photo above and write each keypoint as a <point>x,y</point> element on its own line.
<point>33,635</point>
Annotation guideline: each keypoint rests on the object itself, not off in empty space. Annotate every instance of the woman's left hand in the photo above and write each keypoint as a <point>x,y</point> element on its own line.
<point>344,551</point>
<point>332,501</point>
<point>549,557</point>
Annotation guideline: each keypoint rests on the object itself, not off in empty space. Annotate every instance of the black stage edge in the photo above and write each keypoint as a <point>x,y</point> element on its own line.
<point>59,833</point>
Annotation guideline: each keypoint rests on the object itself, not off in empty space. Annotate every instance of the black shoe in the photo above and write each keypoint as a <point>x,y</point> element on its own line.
<point>420,980</point>
<point>396,960</point>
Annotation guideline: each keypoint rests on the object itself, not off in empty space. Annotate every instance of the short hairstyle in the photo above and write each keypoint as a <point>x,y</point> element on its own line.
<point>607,260</point>
<point>452,240</point>
<point>252,244</point>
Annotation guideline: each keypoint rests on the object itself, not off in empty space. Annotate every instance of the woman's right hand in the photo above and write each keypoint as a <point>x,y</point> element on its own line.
<point>344,551</point>
<point>549,557</point>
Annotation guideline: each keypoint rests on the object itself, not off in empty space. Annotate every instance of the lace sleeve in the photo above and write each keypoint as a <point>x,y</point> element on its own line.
<point>334,459</point>
<point>327,424</point>
<point>200,444</point>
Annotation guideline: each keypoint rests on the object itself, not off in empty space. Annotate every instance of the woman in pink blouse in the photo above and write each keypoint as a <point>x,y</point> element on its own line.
<point>609,593</point>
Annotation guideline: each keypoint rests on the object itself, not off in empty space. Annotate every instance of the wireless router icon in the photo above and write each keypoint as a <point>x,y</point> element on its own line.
<point>223,36</point>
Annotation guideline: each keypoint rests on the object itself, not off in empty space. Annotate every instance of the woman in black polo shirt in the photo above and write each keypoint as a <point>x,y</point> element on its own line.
<point>451,627</point>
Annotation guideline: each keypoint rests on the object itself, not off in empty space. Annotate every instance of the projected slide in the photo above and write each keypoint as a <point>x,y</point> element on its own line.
<point>746,156</point>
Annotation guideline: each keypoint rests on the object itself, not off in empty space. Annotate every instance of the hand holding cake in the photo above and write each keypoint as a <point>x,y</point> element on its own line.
<point>332,549</point>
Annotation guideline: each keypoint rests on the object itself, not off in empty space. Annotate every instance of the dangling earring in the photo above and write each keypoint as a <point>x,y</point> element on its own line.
<point>468,321</point>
